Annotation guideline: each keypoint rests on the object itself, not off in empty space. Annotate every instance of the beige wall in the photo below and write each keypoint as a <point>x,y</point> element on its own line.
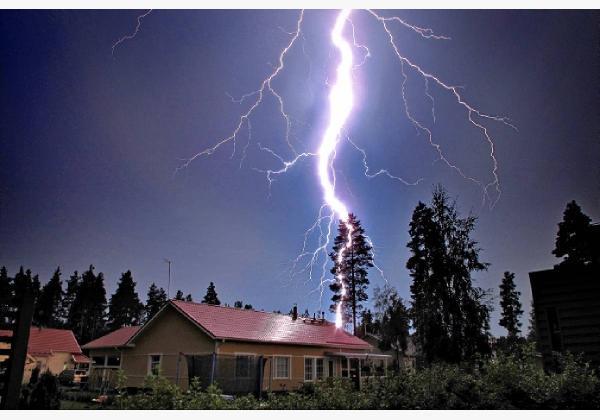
<point>168,335</point>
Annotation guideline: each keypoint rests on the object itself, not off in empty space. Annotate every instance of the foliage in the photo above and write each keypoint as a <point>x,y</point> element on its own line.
<point>573,240</point>
<point>124,306</point>
<point>48,307</point>
<point>392,319</point>
<point>156,299</point>
<point>532,332</point>
<point>87,315</point>
<point>6,296</point>
<point>450,318</point>
<point>43,394</point>
<point>351,271</point>
<point>511,306</point>
<point>179,295</point>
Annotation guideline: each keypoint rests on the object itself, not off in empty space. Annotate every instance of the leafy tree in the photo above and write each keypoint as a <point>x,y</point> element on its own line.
<point>511,306</point>
<point>48,308</point>
<point>573,240</point>
<point>211,295</point>
<point>124,307</point>
<point>45,394</point>
<point>247,306</point>
<point>351,270</point>
<point>393,321</point>
<point>367,323</point>
<point>179,295</point>
<point>450,317</point>
<point>6,297</point>
<point>88,311</point>
<point>240,304</point>
<point>157,298</point>
<point>532,332</point>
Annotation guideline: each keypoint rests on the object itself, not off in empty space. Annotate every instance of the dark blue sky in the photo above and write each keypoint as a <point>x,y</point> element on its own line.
<point>89,142</point>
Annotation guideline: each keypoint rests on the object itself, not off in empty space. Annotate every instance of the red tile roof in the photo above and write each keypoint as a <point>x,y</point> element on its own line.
<point>116,338</point>
<point>250,325</point>
<point>81,358</point>
<point>44,341</point>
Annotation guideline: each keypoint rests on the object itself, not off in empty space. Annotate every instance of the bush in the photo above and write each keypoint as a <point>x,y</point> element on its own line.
<point>45,394</point>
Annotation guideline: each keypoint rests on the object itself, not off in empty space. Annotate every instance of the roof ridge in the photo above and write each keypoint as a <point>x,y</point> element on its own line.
<point>234,308</point>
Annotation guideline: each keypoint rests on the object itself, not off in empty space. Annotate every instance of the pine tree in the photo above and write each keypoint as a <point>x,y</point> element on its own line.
<point>511,306</point>
<point>88,311</point>
<point>156,299</point>
<point>48,308</point>
<point>351,272</point>
<point>449,315</point>
<point>67,310</point>
<point>6,298</point>
<point>124,307</point>
<point>573,238</point>
<point>179,295</point>
<point>211,295</point>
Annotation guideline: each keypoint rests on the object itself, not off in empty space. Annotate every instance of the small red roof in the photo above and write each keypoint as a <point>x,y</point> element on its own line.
<point>117,338</point>
<point>249,325</point>
<point>45,341</point>
<point>81,358</point>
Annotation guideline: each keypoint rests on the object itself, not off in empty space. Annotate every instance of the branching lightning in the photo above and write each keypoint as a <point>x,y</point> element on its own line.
<point>312,261</point>
<point>133,34</point>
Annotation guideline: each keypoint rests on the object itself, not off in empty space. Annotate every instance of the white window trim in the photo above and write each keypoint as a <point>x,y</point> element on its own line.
<point>150,362</point>
<point>286,356</point>
<point>314,368</point>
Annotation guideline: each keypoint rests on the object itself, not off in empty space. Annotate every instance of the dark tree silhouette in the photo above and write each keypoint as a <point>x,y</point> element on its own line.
<point>393,320</point>
<point>449,315</point>
<point>247,306</point>
<point>573,241</point>
<point>352,269</point>
<point>179,295</point>
<point>6,298</point>
<point>189,298</point>
<point>24,282</point>
<point>67,309</point>
<point>124,307</point>
<point>211,295</point>
<point>511,306</point>
<point>88,311</point>
<point>532,332</point>
<point>240,304</point>
<point>48,308</point>
<point>156,299</point>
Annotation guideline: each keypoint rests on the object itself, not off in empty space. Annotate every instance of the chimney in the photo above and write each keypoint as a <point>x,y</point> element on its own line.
<point>295,312</point>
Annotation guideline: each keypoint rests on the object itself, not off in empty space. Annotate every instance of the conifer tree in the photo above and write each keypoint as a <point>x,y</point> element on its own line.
<point>211,295</point>
<point>67,310</point>
<point>124,307</point>
<point>450,317</point>
<point>179,295</point>
<point>156,299</point>
<point>6,298</point>
<point>573,240</point>
<point>48,308</point>
<point>88,311</point>
<point>351,272</point>
<point>189,298</point>
<point>511,306</point>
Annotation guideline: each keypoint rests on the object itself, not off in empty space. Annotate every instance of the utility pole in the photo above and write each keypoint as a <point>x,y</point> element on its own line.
<point>169,283</point>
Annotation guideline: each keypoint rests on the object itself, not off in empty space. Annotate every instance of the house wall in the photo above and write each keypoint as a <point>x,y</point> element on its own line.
<point>170,335</point>
<point>100,375</point>
<point>55,363</point>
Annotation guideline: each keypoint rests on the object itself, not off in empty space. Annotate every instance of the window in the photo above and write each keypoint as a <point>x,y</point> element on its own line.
<point>242,366</point>
<point>308,368</point>
<point>331,368</point>
<point>113,361</point>
<point>154,364</point>
<point>320,368</point>
<point>98,361</point>
<point>282,367</point>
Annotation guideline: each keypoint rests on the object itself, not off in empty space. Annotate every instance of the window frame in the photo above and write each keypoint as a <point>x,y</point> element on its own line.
<point>242,354</point>
<point>313,374</point>
<point>289,366</point>
<point>160,357</point>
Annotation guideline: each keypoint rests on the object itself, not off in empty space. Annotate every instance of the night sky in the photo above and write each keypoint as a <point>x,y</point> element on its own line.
<point>90,142</point>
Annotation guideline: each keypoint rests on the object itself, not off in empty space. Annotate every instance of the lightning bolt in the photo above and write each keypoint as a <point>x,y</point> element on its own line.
<point>341,102</point>
<point>133,34</point>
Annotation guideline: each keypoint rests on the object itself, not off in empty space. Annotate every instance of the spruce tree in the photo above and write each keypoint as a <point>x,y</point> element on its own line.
<point>511,306</point>
<point>88,311</point>
<point>211,295</point>
<point>351,272</point>
<point>6,298</point>
<point>67,310</point>
<point>124,307</point>
<point>48,308</point>
<point>156,299</point>
<point>573,240</point>
<point>450,317</point>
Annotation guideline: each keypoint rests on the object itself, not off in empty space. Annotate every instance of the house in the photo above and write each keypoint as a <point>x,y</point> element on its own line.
<point>406,359</point>
<point>566,301</point>
<point>105,353</point>
<point>53,350</point>
<point>241,350</point>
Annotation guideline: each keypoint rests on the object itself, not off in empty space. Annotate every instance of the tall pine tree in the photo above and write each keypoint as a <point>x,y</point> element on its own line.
<point>48,308</point>
<point>450,317</point>
<point>511,306</point>
<point>211,295</point>
<point>88,311</point>
<point>156,299</point>
<point>124,307</point>
<point>352,269</point>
